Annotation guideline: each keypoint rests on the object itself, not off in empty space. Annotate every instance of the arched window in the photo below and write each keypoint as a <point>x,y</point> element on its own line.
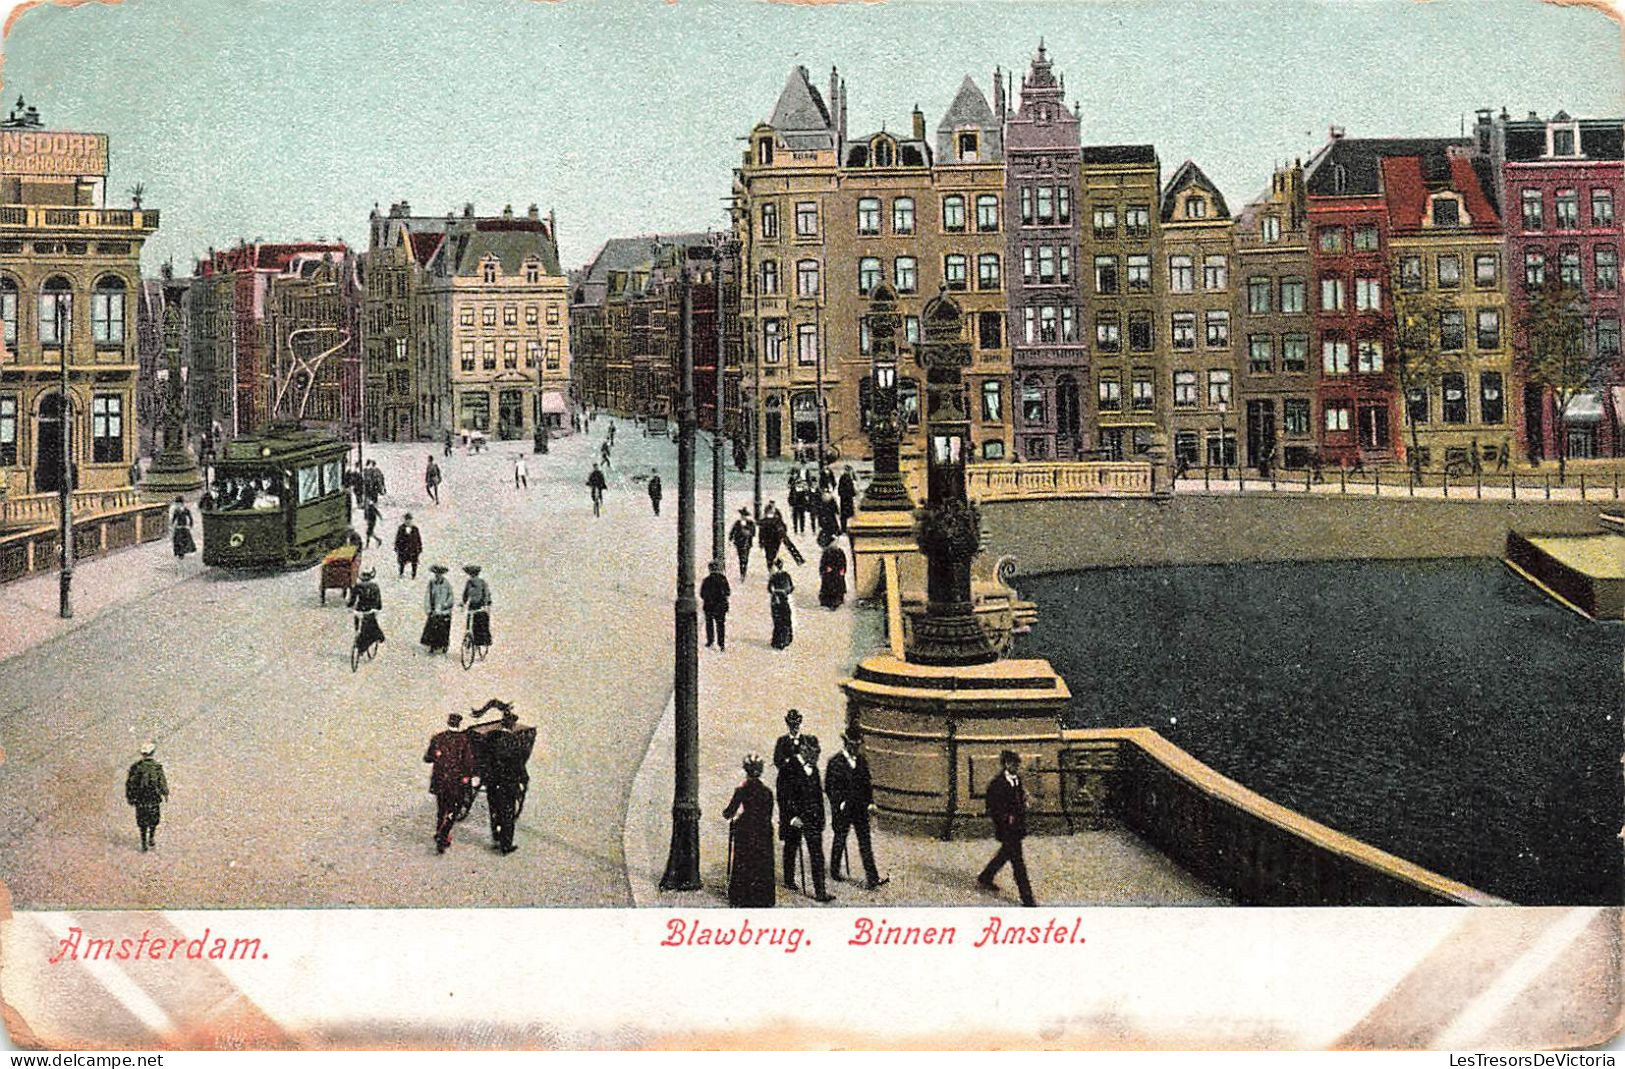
<point>107,311</point>
<point>55,311</point>
<point>8,311</point>
<point>884,154</point>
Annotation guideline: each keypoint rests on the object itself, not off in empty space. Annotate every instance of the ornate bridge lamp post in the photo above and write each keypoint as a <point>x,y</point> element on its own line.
<point>886,490</point>
<point>174,470</point>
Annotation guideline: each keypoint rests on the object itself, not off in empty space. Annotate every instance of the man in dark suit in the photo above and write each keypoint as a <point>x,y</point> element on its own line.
<point>1007,807</point>
<point>505,781</point>
<point>790,743</point>
<point>801,816</point>
<point>452,756</point>
<point>851,800</point>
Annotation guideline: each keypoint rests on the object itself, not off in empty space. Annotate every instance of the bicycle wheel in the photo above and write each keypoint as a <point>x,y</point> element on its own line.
<point>372,651</point>
<point>355,655</point>
<point>468,650</point>
<point>481,651</point>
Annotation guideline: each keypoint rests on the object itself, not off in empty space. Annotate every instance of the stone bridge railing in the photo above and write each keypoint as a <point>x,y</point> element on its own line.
<point>1058,479</point>
<point>38,510</point>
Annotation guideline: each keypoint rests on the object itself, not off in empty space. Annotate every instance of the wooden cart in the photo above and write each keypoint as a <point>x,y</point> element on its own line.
<point>341,570</point>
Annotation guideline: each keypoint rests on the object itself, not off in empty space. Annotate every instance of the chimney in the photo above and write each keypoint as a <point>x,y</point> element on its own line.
<point>1336,133</point>
<point>841,130</point>
<point>552,227</point>
<point>919,124</point>
<point>533,212</point>
<point>998,94</point>
<point>1534,116</point>
<point>507,211</point>
<point>406,208</point>
<point>834,93</point>
<point>468,211</point>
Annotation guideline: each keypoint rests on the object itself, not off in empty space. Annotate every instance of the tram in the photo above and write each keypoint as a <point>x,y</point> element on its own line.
<point>279,499</point>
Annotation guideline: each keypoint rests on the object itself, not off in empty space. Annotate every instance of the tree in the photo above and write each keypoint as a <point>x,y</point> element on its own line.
<point>1553,353</point>
<point>1419,358</point>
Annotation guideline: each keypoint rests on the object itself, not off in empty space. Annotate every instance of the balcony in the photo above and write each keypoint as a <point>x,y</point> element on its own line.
<point>41,217</point>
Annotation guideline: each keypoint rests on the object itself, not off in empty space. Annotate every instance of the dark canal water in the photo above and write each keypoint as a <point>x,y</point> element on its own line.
<point>1443,711</point>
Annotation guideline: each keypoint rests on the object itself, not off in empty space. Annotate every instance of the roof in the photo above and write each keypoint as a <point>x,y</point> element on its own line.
<point>627,254</point>
<point>1407,185</point>
<point>1359,161</point>
<point>511,246</point>
<point>800,107</point>
<point>424,246</point>
<point>1187,176</point>
<point>1119,154</point>
<point>970,109</point>
<point>910,153</point>
<point>1600,139</point>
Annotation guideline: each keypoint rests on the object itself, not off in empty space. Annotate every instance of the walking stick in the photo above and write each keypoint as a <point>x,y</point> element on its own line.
<point>803,863</point>
<point>730,852</point>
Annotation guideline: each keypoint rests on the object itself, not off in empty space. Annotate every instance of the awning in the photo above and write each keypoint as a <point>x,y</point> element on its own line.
<point>1584,408</point>
<point>553,401</point>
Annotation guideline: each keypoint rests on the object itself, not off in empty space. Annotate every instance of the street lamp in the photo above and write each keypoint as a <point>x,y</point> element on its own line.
<point>724,247</point>
<point>886,490</point>
<point>65,490</point>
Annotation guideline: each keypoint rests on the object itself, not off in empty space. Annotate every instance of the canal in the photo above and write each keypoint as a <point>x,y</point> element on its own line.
<point>1444,711</point>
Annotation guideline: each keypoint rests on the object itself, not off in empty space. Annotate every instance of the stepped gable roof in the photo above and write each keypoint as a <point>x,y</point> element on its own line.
<point>800,107</point>
<point>1409,180</point>
<point>1361,161</point>
<point>1185,177</point>
<point>1109,154</point>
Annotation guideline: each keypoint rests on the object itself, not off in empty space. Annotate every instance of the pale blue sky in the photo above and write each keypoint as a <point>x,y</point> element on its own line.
<point>288,119</point>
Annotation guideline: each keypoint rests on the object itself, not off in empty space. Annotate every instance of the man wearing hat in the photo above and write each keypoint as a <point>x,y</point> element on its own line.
<point>851,800</point>
<point>655,490</point>
<point>477,600</point>
<point>437,602</point>
<point>791,742</point>
<point>452,779</point>
<point>147,790</point>
<point>366,599</point>
<point>506,780</point>
<point>743,537</point>
<point>801,816</point>
<point>1007,807</point>
<point>408,545</point>
<point>714,592</point>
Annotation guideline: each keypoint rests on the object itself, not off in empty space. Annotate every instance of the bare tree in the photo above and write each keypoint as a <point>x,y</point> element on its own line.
<point>1419,358</point>
<point>1553,354</point>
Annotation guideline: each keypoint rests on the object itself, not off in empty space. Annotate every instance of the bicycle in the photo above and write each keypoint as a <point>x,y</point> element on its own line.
<point>471,651</point>
<point>357,652</point>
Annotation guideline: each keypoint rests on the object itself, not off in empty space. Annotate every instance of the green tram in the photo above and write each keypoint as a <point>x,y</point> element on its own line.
<point>280,499</point>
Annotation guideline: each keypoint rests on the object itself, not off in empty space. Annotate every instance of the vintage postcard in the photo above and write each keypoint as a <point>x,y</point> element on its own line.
<point>732,524</point>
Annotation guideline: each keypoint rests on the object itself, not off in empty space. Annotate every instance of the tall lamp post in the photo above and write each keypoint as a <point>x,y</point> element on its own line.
<point>1224,445</point>
<point>724,248</point>
<point>683,860</point>
<point>886,490</point>
<point>65,490</point>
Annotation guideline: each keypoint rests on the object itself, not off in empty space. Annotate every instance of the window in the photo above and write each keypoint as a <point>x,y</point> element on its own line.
<point>1027,205</point>
<point>1486,269</point>
<point>1258,294</point>
<point>1410,273</point>
<point>1260,353</point>
<point>772,341</point>
<point>902,215</point>
<point>1185,387</point>
<point>1491,399</point>
<point>967,145</point>
<point>1218,330</point>
<point>770,221</point>
<point>1110,391</point>
<point>1449,271</point>
<point>1106,222</point>
<point>1533,218</point>
<point>1295,352</point>
<point>1187,449</point>
<point>1137,221</point>
<point>992,402</point>
<point>1046,263</point>
<point>8,313</point>
<point>107,311</point>
<point>1453,385</point>
<point>1333,294</point>
<point>1108,333</point>
<point>55,311</point>
<point>510,354</point>
<point>911,330</point>
<point>1607,337</point>
<point>1534,268</point>
<point>1606,262</point>
<point>1215,273</point>
<point>1045,197</point>
<point>488,315</point>
<point>531,315</point>
<point>466,353</point>
<point>987,213</point>
<point>1337,415</point>
<point>869,275</point>
<point>489,273</point>
<point>906,274</point>
<point>533,352</point>
<point>1139,332</point>
<point>953,213</point>
<point>1417,408</point>
<point>866,347</point>
<point>1334,355</point>
<point>1295,415</point>
<point>1063,204</point>
<point>869,215</point>
<point>1602,207</point>
<point>807,344</point>
<point>990,330</point>
<point>1270,229</point>
<point>1568,265</point>
<point>987,271</point>
<point>1452,330</point>
<point>807,219</point>
<point>533,272</point>
<point>764,152</point>
<point>1368,294</point>
<point>1365,237</point>
<point>488,355</point>
<point>510,315</point>
<point>1567,215</point>
<point>1139,272</point>
<point>476,411</point>
<point>8,430</point>
<point>1446,211</point>
<point>1563,141</point>
<point>1032,402</point>
<point>1181,274</point>
<point>993,450</point>
<point>466,317</point>
<point>770,277</point>
<point>806,278</point>
<point>953,271</point>
<point>1183,330</point>
<point>106,428</point>
<point>1195,208</point>
<point>553,348</point>
<point>1105,274</point>
<point>1368,356</point>
<point>1489,329</point>
<point>1218,387</point>
<point>1293,295</point>
<point>1143,391</point>
<point>1331,239</point>
<point>1063,253</point>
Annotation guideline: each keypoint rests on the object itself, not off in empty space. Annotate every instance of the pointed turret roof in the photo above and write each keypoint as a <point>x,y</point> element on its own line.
<point>970,109</point>
<point>800,108</point>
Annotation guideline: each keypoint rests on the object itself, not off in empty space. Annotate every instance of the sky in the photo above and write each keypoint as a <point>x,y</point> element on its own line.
<point>290,119</point>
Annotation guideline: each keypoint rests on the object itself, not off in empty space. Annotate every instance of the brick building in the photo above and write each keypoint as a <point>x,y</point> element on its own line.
<point>1198,245</point>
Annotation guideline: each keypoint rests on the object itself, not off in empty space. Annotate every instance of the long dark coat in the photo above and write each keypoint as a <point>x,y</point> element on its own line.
<point>408,543</point>
<point>1007,807</point>
<point>832,577</point>
<point>751,883</point>
<point>452,756</point>
<point>182,532</point>
<point>146,789</point>
<point>801,794</point>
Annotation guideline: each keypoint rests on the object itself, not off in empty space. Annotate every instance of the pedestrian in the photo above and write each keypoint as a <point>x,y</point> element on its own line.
<point>603,453</point>
<point>714,592</point>
<point>1503,455</point>
<point>611,439</point>
<point>1007,807</point>
<point>477,600</point>
<point>596,483</point>
<point>779,588</point>
<point>750,838</point>
<point>801,817</point>
<point>373,481</point>
<point>771,532</point>
<point>506,781</point>
<point>798,504</point>
<point>147,790</point>
<point>1475,459</point>
<point>431,480</point>
<point>826,478</point>
<point>1315,467</point>
<point>828,514</point>
<point>851,800</point>
<point>740,457</point>
<point>831,574</point>
<point>447,450</point>
<point>521,474</point>
<point>373,516</point>
<point>655,491</point>
<point>847,490</point>
<point>408,545</point>
<point>452,780</point>
<point>790,743</point>
<point>135,471</point>
<point>180,523</point>
<point>743,537</point>
<point>437,604</point>
<point>367,601</point>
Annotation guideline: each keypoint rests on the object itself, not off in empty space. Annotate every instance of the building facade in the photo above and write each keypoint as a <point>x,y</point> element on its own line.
<point>1199,313</point>
<point>70,278</point>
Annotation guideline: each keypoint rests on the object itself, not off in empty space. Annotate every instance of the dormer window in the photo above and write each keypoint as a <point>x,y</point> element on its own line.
<point>1271,229</point>
<point>1195,208</point>
<point>488,270</point>
<point>883,152</point>
<point>533,272</point>
<point>1340,178</point>
<point>764,152</point>
<point>1446,211</point>
<point>969,142</point>
<point>1565,141</point>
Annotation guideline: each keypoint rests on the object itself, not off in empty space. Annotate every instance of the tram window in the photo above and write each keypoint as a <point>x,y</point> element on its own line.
<point>310,484</point>
<point>333,476</point>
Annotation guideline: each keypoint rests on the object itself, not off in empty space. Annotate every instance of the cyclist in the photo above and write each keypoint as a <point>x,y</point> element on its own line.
<point>477,601</point>
<point>366,599</point>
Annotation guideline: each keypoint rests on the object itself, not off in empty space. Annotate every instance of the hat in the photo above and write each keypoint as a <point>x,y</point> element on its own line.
<point>147,748</point>
<point>1007,756</point>
<point>407,518</point>
<point>472,569</point>
<point>744,512</point>
<point>753,765</point>
<point>825,538</point>
<point>793,716</point>
<point>454,719</point>
<point>439,569</point>
<point>368,573</point>
<point>716,566</point>
<point>851,736</point>
<point>510,717</point>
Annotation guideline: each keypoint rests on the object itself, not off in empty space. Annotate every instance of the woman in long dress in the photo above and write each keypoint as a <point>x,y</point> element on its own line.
<point>779,588</point>
<point>832,574</point>
<point>437,603</point>
<point>180,524</point>
<point>750,881</point>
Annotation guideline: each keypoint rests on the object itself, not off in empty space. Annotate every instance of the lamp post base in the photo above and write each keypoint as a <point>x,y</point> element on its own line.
<point>683,860</point>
